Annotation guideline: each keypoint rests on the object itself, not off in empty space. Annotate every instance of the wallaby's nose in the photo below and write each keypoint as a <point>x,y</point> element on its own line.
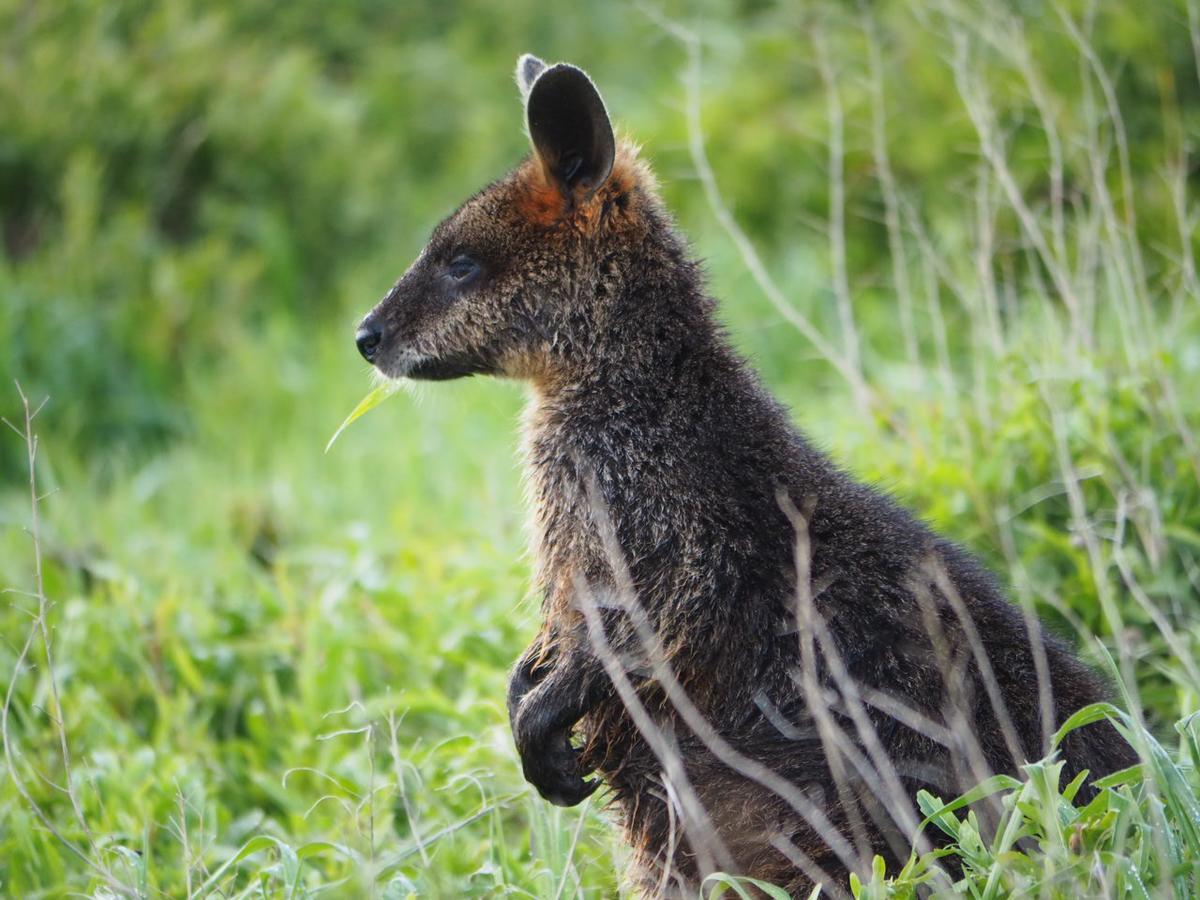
<point>368,338</point>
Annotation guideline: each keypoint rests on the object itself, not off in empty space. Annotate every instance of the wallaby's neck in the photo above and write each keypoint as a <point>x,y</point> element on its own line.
<point>662,374</point>
<point>660,345</point>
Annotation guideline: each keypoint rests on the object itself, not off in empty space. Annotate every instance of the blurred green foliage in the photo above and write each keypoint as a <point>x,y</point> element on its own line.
<point>198,200</point>
<point>175,174</point>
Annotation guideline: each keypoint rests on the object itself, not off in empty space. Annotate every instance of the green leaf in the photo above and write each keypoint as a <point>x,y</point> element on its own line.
<point>1072,789</point>
<point>312,848</point>
<point>936,811</point>
<point>1130,775</point>
<point>721,881</point>
<point>255,845</point>
<point>1093,712</point>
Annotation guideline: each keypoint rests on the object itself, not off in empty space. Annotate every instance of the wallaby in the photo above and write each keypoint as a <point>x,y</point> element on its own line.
<point>763,659</point>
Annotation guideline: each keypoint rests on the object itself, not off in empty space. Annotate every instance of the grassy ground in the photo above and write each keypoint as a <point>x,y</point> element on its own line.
<point>281,672</point>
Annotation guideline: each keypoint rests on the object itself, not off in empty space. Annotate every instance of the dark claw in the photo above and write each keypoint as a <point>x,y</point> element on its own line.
<point>580,793</point>
<point>556,774</point>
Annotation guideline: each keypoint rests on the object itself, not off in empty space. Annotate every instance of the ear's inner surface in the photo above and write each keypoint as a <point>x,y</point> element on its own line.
<point>571,165</point>
<point>570,129</point>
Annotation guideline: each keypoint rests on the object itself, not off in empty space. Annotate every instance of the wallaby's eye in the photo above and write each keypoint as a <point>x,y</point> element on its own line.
<point>462,268</point>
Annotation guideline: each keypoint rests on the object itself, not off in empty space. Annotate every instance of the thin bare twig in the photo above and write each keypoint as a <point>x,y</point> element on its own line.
<point>982,118</point>
<point>753,770</point>
<point>569,865</point>
<point>837,200</point>
<point>862,393</point>
<point>40,629</point>
<point>891,196</point>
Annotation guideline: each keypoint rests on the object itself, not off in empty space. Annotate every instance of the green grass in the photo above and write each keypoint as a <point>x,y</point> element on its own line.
<point>237,640</point>
<point>281,671</point>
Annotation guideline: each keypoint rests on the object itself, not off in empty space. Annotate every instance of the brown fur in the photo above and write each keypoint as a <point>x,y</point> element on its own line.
<point>541,203</point>
<point>647,435</point>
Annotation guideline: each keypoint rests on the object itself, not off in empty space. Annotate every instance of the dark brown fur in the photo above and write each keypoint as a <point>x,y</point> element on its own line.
<point>657,461</point>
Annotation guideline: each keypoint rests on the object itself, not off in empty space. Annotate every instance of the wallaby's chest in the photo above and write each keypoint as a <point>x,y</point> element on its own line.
<point>603,511</point>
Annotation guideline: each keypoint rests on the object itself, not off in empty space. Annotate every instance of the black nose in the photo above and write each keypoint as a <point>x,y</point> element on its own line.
<point>368,338</point>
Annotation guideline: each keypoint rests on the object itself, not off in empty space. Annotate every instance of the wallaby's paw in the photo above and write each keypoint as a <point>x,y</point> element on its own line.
<point>548,760</point>
<point>555,772</point>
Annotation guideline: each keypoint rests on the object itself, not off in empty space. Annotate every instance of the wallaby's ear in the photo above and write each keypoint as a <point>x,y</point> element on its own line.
<point>529,67</point>
<point>569,127</point>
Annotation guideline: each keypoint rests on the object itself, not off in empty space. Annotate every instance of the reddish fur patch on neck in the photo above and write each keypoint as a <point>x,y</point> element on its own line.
<point>540,200</point>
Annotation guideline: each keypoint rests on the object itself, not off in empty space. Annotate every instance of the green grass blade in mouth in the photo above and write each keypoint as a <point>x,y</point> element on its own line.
<point>365,405</point>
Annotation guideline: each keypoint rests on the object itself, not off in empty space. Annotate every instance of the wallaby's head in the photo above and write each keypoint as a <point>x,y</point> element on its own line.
<point>516,282</point>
